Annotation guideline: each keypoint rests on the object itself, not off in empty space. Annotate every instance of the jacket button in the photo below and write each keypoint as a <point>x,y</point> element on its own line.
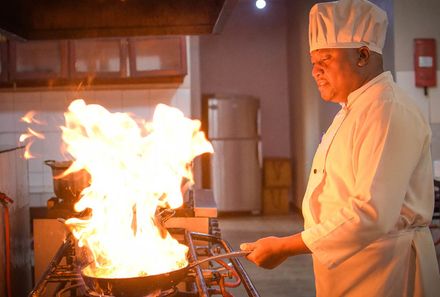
<point>315,171</point>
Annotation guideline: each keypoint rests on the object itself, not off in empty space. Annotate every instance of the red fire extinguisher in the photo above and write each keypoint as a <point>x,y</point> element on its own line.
<point>425,63</point>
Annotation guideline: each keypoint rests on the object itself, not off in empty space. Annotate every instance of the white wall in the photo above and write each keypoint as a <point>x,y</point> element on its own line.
<point>304,97</point>
<point>418,19</point>
<point>249,57</point>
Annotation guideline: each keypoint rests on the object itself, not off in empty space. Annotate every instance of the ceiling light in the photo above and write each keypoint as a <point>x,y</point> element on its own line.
<point>260,4</point>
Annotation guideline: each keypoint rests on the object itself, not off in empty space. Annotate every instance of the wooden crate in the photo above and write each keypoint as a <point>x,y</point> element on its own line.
<point>277,172</point>
<point>275,201</point>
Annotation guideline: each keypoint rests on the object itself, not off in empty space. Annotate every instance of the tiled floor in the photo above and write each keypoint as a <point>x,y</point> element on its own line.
<point>293,278</point>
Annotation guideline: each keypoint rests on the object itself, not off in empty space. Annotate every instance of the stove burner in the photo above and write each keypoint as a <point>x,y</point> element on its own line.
<point>206,281</point>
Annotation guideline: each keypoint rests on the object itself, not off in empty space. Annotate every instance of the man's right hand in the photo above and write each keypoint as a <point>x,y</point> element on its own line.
<point>266,252</point>
<point>269,252</point>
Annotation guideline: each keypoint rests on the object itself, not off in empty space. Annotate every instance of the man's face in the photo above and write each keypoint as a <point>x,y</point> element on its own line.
<point>335,72</point>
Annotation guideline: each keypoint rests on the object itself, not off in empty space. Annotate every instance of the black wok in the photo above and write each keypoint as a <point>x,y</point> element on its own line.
<point>144,285</point>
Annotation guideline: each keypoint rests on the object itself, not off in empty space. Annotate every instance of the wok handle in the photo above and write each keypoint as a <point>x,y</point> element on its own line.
<point>221,256</point>
<point>50,163</point>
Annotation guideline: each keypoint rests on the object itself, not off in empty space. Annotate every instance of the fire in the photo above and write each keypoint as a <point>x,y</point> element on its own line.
<point>29,118</point>
<point>27,151</point>
<point>30,133</point>
<point>134,168</point>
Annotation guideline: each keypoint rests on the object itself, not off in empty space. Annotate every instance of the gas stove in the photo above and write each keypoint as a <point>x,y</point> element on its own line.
<point>57,268</point>
<point>63,278</point>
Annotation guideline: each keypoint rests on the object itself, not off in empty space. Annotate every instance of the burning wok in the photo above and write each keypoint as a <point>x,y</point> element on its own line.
<point>144,285</point>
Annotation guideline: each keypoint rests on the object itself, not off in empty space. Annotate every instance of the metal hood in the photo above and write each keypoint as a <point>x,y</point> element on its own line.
<point>75,19</point>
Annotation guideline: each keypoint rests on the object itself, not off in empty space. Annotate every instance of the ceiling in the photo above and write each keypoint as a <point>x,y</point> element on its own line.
<point>75,19</point>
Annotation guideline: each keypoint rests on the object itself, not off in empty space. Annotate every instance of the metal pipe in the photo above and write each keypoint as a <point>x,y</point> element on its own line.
<point>5,200</point>
<point>247,283</point>
<point>70,288</point>
<point>249,286</point>
<point>201,286</point>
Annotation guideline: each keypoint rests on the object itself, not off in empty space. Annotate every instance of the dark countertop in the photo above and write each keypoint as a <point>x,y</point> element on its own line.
<point>8,148</point>
<point>204,204</point>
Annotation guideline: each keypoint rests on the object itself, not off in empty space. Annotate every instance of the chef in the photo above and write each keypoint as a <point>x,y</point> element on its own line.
<point>369,198</point>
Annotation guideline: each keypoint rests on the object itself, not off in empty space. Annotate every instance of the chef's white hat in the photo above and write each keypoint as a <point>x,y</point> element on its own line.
<point>347,24</point>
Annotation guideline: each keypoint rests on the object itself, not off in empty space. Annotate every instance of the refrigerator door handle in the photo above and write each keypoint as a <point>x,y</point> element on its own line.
<point>260,153</point>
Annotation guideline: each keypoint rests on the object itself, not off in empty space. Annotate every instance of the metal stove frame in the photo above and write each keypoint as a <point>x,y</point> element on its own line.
<point>201,282</point>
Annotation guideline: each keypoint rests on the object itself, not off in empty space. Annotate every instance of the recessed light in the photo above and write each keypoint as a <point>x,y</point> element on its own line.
<point>260,4</point>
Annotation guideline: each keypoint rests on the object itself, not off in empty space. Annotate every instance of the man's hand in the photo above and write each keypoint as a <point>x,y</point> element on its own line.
<point>266,252</point>
<point>269,252</point>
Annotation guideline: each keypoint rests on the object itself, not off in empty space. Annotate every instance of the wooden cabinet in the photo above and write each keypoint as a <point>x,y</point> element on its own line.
<point>38,60</point>
<point>3,62</point>
<point>157,56</point>
<point>101,58</point>
<point>94,61</point>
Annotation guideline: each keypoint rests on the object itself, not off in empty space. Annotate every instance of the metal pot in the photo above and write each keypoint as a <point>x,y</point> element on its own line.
<point>67,188</point>
<point>144,285</point>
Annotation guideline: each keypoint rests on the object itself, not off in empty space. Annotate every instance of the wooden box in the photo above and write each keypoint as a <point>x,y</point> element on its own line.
<point>275,201</point>
<point>277,172</point>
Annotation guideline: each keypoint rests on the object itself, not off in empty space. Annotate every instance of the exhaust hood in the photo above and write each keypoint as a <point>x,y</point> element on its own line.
<point>75,19</point>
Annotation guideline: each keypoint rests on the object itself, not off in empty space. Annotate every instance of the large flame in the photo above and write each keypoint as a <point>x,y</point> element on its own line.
<point>135,168</point>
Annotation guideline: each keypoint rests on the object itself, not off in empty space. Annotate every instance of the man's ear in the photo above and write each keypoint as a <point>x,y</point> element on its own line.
<point>363,56</point>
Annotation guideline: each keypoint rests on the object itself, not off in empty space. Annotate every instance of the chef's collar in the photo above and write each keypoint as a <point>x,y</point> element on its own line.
<point>358,92</point>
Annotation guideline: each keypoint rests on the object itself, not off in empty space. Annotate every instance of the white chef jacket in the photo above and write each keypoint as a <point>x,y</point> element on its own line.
<point>370,198</point>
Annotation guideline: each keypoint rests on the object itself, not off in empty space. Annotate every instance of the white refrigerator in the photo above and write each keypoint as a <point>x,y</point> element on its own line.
<point>236,165</point>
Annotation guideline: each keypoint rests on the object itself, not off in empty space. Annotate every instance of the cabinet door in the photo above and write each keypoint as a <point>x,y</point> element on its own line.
<point>100,58</point>
<point>157,56</point>
<point>33,60</point>
<point>3,59</point>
